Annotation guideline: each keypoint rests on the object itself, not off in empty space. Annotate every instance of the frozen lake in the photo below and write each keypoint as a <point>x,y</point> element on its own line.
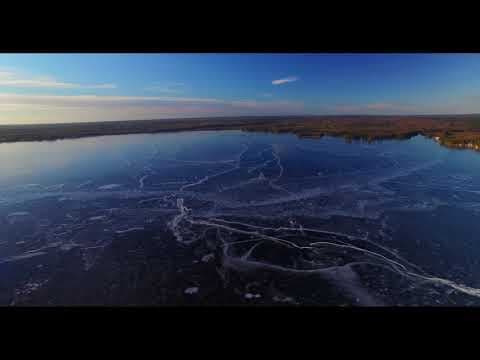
<point>238,218</point>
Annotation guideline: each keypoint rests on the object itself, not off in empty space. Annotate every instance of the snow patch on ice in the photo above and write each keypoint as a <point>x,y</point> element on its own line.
<point>207,258</point>
<point>252,296</point>
<point>191,290</point>
<point>130,230</point>
<point>18,213</point>
<point>95,218</point>
<point>109,186</point>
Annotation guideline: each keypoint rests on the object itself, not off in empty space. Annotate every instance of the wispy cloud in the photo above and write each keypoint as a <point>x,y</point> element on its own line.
<point>376,108</point>
<point>12,79</point>
<point>85,100</point>
<point>383,106</point>
<point>22,108</point>
<point>62,100</point>
<point>459,105</point>
<point>168,88</point>
<point>285,80</point>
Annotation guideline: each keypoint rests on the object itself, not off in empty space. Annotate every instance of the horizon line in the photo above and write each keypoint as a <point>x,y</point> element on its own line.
<point>243,117</point>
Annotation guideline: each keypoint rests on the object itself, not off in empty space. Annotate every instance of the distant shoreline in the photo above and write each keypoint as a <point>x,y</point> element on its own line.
<point>456,131</point>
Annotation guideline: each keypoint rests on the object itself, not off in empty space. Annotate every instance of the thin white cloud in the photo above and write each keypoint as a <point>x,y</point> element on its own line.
<point>285,80</point>
<point>164,90</point>
<point>23,108</point>
<point>382,106</point>
<point>99,86</point>
<point>453,106</point>
<point>11,79</point>
<point>376,108</point>
<point>168,88</point>
<point>62,100</point>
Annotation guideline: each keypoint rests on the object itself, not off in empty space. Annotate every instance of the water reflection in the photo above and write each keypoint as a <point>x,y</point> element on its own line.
<point>390,222</point>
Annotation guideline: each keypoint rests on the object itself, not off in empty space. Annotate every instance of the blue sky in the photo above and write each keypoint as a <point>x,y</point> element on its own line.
<point>43,88</point>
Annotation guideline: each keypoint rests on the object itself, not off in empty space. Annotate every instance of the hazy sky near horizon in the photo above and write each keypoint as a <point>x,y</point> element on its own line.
<point>50,88</point>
